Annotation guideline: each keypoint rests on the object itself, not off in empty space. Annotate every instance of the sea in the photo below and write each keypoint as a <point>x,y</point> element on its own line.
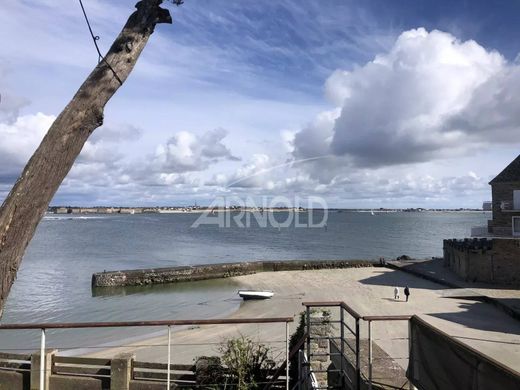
<point>54,280</point>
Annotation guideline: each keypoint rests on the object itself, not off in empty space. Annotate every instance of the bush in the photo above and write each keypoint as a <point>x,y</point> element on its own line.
<point>209,371</point>
<point>248,363</point>
<point>243,365</point>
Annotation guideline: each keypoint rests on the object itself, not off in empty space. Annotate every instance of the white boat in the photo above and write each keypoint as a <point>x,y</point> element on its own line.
<point>255,294</point>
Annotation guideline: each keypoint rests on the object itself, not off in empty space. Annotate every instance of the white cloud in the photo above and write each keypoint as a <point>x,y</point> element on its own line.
<point>187,151</point>
<point>430,96</point>
<point>18,140</point>
<point>395,108</point>
<point>427,98</point>
<point>10,105</point>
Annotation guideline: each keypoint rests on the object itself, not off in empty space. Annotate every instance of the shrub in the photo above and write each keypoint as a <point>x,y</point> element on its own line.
<point>248,363</point>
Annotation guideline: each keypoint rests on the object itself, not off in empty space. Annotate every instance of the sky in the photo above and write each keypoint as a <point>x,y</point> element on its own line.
<point>365,104</point>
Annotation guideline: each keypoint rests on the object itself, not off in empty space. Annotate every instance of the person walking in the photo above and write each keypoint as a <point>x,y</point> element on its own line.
<point>396,292</point>
<point>407,293</point>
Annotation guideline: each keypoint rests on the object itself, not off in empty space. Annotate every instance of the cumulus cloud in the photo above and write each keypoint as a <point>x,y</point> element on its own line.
<point>430,96</point>
<point>254,174</point>
<point>185,152</point>
<point>18,140</point>
<point>10,103</point>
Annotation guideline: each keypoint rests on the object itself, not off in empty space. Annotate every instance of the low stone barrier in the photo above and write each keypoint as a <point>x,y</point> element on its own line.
<point>143,277</point>
<point>490,260</point>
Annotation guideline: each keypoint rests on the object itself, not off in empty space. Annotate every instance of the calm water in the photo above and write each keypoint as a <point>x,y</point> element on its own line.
<point>54,280</point>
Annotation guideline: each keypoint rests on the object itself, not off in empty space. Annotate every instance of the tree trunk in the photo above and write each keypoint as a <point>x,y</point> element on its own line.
<point>28,200</point>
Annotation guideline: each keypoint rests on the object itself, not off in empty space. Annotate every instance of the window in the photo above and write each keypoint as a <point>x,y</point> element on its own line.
<point>516,226</point>
<point>516,199</point>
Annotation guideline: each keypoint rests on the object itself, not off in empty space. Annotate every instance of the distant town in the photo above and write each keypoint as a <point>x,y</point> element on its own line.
<point>201,209</point>
<point>161,210</point>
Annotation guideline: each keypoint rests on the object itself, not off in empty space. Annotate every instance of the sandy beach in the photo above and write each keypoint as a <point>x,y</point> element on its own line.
<point>369,291</point>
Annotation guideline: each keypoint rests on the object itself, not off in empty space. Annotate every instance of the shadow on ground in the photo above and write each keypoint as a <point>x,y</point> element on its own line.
<point>401,279</point>
<point>475,313</point>
<point>435,269</point>
<point>481,316</point>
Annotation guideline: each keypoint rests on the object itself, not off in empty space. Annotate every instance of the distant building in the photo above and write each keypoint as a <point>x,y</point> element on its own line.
<point>505,189</point>
<point>487,206</point>
<point>494,256</point>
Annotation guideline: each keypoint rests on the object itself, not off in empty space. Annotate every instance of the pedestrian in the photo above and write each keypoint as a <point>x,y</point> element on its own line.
<point>396,293</point>
<point>406,292</point>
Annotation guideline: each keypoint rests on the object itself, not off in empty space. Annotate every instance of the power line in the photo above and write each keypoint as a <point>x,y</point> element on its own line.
<point>95,38</point>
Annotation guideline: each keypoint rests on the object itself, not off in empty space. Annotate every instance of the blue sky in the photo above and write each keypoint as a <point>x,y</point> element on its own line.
<point>390,103</point>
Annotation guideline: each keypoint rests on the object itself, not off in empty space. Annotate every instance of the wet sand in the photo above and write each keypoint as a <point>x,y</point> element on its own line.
<point>369,291</point>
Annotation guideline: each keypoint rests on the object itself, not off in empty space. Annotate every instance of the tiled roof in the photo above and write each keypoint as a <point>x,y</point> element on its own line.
<point>510,173</point>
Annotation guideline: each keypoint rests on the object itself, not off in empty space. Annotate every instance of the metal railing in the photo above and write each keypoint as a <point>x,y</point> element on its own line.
<point>509,206</point>
<point>345,313</point>
<point>306,378</point>
<point>43,327</point>
<point>371,319</point>
<point>480,231</point>
<point>347,344</point>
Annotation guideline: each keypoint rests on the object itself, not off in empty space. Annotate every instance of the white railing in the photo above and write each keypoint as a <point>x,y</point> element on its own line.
<point>42,327</point>
<point>479,231</point>
<point>509,206</point>
<point>306,378</point>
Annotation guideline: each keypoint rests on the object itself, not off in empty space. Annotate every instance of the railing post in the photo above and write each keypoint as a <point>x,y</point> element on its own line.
<point>287,355</point>
<point>299,370</point>
<point>42,361</point>
<point>358,368</point>
<point>40,377</point>
<point>370,355</point>
<point>169,357</point>
<point>121,371</point>
<point>342,346</point>
<point>411,364</point>
<point>308,315</point>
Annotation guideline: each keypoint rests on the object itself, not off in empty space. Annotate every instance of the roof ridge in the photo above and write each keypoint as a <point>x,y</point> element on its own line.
<point>509,173</point>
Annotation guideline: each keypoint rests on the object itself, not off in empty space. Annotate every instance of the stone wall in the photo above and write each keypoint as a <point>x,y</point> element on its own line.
<point>495,260</point>
<point>319,358</point>
<point>213,271</point>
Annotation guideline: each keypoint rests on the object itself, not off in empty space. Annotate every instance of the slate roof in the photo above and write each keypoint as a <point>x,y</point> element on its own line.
<point>510,173</point>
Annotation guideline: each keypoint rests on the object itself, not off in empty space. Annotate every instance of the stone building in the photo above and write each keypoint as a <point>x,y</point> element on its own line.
<point>494,257</point>
<point>505,190</point>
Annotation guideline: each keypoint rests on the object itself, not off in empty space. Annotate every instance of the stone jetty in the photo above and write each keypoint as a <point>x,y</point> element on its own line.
<point>142,277</point>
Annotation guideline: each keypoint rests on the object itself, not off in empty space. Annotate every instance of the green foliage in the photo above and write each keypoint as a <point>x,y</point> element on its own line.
<point>209,372</point>
<point>295,337</point>
<point>248,363</point>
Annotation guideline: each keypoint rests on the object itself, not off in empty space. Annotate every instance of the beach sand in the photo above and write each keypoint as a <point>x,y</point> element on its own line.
<point>369,291</point>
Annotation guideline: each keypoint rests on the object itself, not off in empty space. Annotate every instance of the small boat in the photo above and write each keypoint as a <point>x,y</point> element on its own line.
<point>255,294</point>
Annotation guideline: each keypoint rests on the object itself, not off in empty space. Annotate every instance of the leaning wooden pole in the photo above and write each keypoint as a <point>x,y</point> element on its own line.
<point>28,200</point>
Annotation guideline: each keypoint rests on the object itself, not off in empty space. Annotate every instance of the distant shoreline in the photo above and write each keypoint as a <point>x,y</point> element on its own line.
<point>198,210</point>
